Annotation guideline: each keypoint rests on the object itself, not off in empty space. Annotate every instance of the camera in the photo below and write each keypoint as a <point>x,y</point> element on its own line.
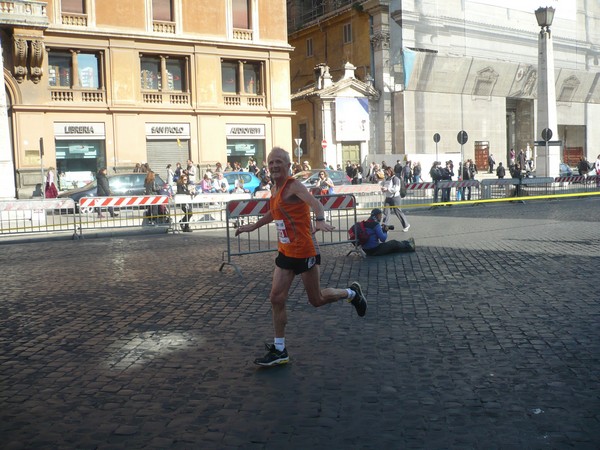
<point>388,227</point>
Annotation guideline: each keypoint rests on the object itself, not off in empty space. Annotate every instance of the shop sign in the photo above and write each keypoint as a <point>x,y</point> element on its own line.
<point>79,130</point>
<point>167,130</point>
<point>244,131</point>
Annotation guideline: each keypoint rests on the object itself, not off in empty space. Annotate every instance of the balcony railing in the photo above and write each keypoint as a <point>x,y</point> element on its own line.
<point>242,34</point>
<point>30,12</point>
<point>166,98</point>
<point>254,101</point>
<point>74,19</point>
<point>77,95</point>
<point>159,26</point>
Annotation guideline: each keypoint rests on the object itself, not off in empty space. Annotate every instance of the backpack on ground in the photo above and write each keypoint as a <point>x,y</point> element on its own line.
<point>358,233</point>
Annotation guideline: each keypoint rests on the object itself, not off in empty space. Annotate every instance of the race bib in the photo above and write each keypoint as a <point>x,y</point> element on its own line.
<point>282,232</point>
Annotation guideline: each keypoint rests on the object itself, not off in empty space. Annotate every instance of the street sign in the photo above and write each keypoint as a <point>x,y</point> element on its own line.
<point>436,137</point>
<point>298,141</point>
<point>324,144</point>
<point>298,152</point>
<point>462,137</point>
<point>550,143</point>
<point>546,134</point>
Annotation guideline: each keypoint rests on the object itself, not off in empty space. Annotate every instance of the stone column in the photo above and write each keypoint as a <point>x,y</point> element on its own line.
<point>382,118</point>
<point>547,164</point>
<point>7,166</point>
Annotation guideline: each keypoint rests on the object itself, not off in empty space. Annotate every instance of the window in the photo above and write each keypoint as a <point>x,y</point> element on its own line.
<point>241,77</point>
<point>241,14</point>
<point>309,47</point>
<point>163,10</point>
<point>73,6</point>
<point>155,69</point>
<point>347,33</point>
<point>74,69</point>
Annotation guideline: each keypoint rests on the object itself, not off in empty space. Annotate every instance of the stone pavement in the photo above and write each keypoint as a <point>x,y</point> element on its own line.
<point>487,337</point>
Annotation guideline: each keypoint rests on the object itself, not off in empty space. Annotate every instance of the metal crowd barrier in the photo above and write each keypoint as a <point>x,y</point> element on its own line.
<point>37,216</point>
<point>340,211</point>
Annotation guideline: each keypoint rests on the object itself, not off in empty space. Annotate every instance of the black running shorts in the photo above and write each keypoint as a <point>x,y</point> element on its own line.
<point>298,265</point>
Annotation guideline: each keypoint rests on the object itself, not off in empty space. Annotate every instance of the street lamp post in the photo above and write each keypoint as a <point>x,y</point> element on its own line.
<point>547,160</point>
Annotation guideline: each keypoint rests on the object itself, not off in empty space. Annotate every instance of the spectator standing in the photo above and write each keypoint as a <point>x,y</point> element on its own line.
<point>183,188</point>
<point>500,171</point>
<point>191,168</point>
<point>597,167</point>
<point>290,207</point>
<point>398,168</point>
<point>50,190</point>
<point>170,174</point>
<point>325,184</point>
<point>467,174</point>
<point>407,172</point>
<point>522,160</point>
<point>103,190</point>
<point>583,166</point>
<point>178,172</point>
<point>447,174</point>
<point>417,173</point>
<point>491,162</point>
<point>151,189</point>
<point>511,157</point>
<point>436,175</point>
<point>391,190</point>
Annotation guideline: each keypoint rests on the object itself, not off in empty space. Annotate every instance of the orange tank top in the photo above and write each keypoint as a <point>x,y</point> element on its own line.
<point>292,220</point>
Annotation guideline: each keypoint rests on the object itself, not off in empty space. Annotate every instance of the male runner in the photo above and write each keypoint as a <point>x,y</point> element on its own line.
<point>290,207</point>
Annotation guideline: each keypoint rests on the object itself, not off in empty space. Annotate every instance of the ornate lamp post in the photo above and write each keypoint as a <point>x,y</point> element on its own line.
<point>548,157</point>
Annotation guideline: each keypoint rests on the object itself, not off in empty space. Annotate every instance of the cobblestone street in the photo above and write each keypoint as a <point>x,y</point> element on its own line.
<point>487,337</point>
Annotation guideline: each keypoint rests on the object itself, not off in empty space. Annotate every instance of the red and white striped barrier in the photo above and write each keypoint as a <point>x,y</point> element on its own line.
<point>242,208</point>
<point>146,200</point>
<point>416,186</point>
<point>571,179</point>
<point>337,201</point>
<point>35,205</point>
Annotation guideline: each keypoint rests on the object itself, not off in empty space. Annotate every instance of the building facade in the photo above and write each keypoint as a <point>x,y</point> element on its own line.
<point>445,66</point>
<point>111,83</point>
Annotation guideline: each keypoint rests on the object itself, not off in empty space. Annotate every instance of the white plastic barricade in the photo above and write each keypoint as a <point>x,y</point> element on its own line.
<point>340,211</point>
<point>123,212</point>
<point>35,216</point>
<point>201,211</point>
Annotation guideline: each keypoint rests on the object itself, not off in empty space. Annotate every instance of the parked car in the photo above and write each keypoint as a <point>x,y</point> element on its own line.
<point>251,181</point>
<point>121,184</point>
<point>310,177</point>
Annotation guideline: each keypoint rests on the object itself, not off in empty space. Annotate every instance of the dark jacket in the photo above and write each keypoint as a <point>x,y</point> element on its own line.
<point>103,185</point>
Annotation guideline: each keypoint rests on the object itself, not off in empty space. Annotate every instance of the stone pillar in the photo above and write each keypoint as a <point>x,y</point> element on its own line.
<point>547,164</point>
<point>7,166</point>
<point>382,118</point>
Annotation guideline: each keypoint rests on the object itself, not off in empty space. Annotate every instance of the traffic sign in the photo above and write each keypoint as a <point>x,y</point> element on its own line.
<point>436,137</point>
<point>324,144</point>
<point>462,137</point>
<point>550,143</point>
<point>298,141</point>
<point>546,134</point>
<point>298,152</point>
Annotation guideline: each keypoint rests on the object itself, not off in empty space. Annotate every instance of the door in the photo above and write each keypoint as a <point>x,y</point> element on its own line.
<point>482,151</point>
<point>350,152</point>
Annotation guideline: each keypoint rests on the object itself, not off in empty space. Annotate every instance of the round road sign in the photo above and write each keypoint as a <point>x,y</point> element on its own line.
<point>546,134</point>
<point>324,144</point>
<point>436,137</point>
<point>462,137</point>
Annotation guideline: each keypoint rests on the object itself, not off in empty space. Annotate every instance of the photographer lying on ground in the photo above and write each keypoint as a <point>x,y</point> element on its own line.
<point>377,243</point>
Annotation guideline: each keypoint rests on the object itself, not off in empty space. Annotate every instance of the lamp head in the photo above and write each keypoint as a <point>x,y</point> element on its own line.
<point>544,16</point>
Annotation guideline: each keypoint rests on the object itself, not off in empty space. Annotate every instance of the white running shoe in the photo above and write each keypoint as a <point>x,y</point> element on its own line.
<point>406,229</point>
